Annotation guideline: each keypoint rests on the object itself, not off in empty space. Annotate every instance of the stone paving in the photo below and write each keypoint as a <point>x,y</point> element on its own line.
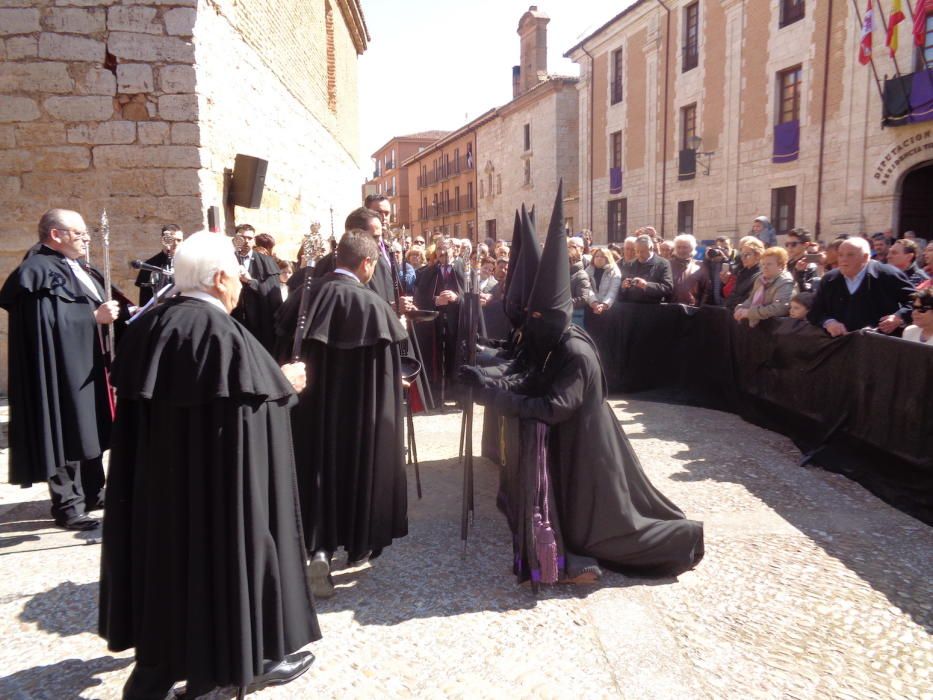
<point>811,588</point>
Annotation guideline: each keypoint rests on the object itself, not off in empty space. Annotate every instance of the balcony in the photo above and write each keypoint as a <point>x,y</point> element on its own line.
<point>908,99</point>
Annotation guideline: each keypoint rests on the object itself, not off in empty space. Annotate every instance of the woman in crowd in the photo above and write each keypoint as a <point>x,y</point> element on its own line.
<point>921,331</point>
<point>264,243</point>
<point>738,284</point>
<point>286,270</point>
<point>666,249</point>
<point>772,291</point>
<point>605,279</point>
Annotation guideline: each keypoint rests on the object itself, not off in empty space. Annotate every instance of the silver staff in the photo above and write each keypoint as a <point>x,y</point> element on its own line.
<point>108,285</point>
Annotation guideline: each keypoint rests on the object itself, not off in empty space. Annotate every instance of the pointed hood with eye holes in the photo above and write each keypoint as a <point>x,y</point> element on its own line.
<point>549,307</point>
<point>523,266</point>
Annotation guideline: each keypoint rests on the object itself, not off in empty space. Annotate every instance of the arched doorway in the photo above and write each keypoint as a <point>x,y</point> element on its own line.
<point>916,210</point>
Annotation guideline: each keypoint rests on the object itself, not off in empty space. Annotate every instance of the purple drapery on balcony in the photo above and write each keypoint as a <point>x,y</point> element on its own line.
<point>615,180</point>
<point>786,142</point>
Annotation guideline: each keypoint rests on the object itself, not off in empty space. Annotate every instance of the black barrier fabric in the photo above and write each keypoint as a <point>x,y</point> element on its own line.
<point>861,404</point>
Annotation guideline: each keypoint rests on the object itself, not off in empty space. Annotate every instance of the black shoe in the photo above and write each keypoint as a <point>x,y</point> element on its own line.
<point>79,522</point>
<point>322,583</point>
<point>284,671</point>
<point>359,560</point>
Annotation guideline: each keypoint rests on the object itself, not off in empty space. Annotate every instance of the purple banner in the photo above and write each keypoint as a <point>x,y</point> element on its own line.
<point>615,180</point>
<point>921,96</point>
<point>786,142</point>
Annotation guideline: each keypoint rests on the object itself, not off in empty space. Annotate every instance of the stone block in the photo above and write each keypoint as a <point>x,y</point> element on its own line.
<point>133,19</point>
<point>178,108</point>
<point>179,21</point>
<point>176,3</point>
<point>184,133</point>
<point>19,20</point>
<point>86,3</point>
<point>64,185</point>
<point>40,134</point>
<point>137,183</point>
<point>18,109</point>
<point>80,109</point>
<point>147,157</point>
<point>133,46</point>
<point>62,158</point>
<point>154,133</point>
<point>65,47</point>
<point>134,78</point>
<point>94,81</point>
<point>18,47</point>
<point>16,161</point>
<point>175,79</point>
<point>9,187</point>
<point>112,132</point>
<point>7,136</point>
<point>35,77</point>
<point>75,21</point>
<point>135,112</point>
<point>181,182</point>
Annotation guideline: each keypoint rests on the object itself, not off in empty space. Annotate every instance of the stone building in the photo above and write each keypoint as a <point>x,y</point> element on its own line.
<point>141,107</point>
<point>700,115</point>
<point>390,176</point>
<point>531,142</point>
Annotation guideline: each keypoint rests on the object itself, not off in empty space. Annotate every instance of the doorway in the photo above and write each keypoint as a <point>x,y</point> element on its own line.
<point>916,212</point>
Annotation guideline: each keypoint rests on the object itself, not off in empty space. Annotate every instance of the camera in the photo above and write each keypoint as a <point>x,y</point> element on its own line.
<point>714,254</point>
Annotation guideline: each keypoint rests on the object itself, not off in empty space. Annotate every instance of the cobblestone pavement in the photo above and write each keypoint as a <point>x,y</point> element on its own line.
<point>810,588</point>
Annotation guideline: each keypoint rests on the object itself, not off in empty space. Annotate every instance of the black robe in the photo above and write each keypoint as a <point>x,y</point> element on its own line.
<point>348,422</point>
<point>59,404</point>
<point>438,340</point>
<point>202,569</point>
<point>606,507</point>
<point>260,299</point>
<point>151,282</point>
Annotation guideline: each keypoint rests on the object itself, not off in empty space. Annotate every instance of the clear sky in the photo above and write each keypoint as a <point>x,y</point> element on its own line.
<point>436,64</point>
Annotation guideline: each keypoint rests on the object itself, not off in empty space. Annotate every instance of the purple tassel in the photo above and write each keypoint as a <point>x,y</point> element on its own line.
<point>545,540</point>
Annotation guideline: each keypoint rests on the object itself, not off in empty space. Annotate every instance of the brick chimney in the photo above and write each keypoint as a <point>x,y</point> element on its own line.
<point>532,31</point>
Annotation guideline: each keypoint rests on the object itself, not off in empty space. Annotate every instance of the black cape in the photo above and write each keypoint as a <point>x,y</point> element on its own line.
<point>348,422</point>
<point>606,506</point>
<point>59,404</point>
<point>260,299</point>
<point>202,569</point>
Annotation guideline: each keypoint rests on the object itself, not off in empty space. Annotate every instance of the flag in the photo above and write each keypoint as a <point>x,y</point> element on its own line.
<point>864,47</point>
<point>897,16</point>
<point>920,21</point>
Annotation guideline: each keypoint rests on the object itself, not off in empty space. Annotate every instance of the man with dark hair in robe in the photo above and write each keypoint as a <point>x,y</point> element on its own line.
<point>60,402</point>
<point>261,297</point>
<point>150,283</point>
<point>347,425</point>
<point>203,570</point>
<point>596,506</point>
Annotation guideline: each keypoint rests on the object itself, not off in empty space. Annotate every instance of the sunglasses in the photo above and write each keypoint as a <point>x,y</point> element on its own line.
<point>922,308</point>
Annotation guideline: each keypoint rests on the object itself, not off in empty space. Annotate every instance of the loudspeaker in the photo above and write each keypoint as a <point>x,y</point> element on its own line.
<point>249,179</point>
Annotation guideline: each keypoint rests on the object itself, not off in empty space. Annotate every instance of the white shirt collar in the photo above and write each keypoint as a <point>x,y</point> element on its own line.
<point>347,273</point>
<point>204,296</point>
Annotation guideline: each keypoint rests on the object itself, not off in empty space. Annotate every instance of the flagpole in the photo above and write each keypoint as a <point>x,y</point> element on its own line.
<point>897,68</point>
<point>871,58</point>
<point>923,56</point>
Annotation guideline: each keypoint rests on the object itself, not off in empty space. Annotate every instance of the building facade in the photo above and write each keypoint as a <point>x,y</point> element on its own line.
<point>390,177</point>
<point>141,109</point>
<point>699,115</point>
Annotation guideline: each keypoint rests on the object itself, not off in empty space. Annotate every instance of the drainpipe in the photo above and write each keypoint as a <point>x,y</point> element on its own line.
<point>667,72</point>
<point>592,112</point>
<point>819,167</point>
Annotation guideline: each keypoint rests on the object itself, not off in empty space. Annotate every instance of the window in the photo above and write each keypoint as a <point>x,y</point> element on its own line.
<point>470,230</point>
<point>482,193</point>
<point>616,77</point>
<point>469,195</point>
<point>491,229</point>
<point>457,160</point>
<point>527,131</point>
<point>456,230</point>
<point>489,190</point>
<point>615,158</point>
<point>685,217</point>
<point>925,54</point>
<point>688,125</point>
<point>424,210</point>
<point>435,212</point>
<point>457,198</point>
<point>498,184</point>
<point>788,107</point>
<point>791,11</point>
<point>528,171</point>
<point>691,37</point>
<point>783,208</point>
<point>616,222</point>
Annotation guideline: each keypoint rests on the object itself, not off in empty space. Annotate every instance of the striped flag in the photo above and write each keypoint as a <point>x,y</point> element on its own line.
<point>920,21</point>
<point>897,16</point>
<point>864,47</point>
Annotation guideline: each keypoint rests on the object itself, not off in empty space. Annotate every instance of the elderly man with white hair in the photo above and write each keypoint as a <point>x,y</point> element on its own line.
<point>202,536</point>
<point>686,273</point>
<point>649,275</point>
<point>860,292</point>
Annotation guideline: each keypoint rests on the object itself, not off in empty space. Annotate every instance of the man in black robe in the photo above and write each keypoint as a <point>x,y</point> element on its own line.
<point>261,296</point>
<point>603,509</point>
<point>347,425</point>
<point>149,282</point>
<point>60,402</point>
<point>203,570</point>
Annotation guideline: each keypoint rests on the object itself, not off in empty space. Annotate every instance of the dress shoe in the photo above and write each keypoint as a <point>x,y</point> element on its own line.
<point>322,583</point>
<point>358,560</point>
<point>588,574</point>
<point>79,522</point>
<point>282,672</point>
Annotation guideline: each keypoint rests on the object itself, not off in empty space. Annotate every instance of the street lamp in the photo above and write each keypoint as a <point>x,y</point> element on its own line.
<point>693,143</point>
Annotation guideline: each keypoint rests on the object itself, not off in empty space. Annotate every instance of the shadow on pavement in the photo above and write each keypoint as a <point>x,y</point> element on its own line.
<point>66,610</point>
<point>65,679</point>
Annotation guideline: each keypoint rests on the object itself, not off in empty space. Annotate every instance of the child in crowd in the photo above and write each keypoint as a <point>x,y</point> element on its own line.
<point>800,305</point>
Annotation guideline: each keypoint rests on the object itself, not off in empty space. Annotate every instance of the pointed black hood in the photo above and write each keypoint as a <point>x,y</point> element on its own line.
<point>549,306</point>
<point>525,260</point>
<point>515,249</point>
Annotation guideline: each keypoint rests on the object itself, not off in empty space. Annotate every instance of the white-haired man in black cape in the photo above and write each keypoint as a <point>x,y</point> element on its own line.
<point>203,569</point>
<point>603,510</point>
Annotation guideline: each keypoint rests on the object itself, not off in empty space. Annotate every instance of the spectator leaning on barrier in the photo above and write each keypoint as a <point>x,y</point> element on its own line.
<point>799,244</point>
<point>921,331</point>
<point>903,255</point>
<point>686,273</point>
<point>860,293</point>
<point>764,231</point>
<point>605,279</point>
<point>739,285</point>
<point>772,292</point>
<point>800,305</point>
<point>650,280</point>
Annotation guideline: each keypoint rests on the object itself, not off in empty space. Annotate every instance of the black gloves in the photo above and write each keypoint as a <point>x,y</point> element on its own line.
<point>471,376</point>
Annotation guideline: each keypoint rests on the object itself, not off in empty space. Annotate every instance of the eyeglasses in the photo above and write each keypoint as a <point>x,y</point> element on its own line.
<point>749,255</point>
<point>792,244</point>
<point>74,233</point>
